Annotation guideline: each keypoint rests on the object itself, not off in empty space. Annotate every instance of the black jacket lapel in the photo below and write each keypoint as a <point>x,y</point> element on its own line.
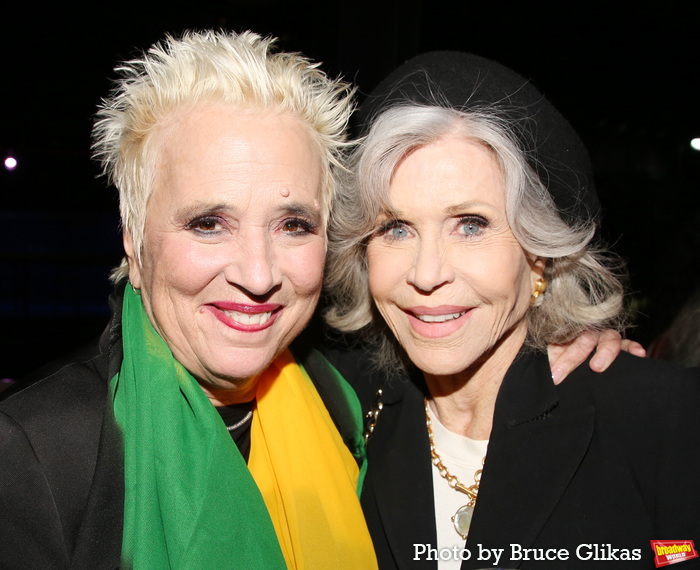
<point>533,455</point>
<point>401,476</point>
<point>99,541</point>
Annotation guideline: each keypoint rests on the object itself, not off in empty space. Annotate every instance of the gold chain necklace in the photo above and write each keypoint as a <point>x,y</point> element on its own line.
<point>462,519</point>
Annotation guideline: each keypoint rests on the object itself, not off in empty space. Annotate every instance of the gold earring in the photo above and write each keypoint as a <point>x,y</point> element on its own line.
<point>540,287</point>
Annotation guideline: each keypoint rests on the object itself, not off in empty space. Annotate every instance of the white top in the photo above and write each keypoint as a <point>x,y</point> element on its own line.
<point>463,457</point>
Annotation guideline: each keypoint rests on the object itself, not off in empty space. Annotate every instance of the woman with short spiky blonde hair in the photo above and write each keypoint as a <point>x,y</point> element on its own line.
<point>193,436</point>
<point>239,70</point>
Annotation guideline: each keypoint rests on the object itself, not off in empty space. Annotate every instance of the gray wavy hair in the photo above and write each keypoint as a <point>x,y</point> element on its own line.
<point>201,67</point>
<point>584,291</point>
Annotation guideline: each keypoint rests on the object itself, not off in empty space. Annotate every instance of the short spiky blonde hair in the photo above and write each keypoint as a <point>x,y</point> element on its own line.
<point>200,67</point>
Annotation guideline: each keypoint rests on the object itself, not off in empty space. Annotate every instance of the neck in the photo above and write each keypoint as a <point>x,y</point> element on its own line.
<point>465,402</point>
<point>237,392</point>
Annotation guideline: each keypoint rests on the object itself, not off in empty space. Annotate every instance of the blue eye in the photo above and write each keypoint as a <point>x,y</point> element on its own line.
<point>471,226</point>
<point>398,232</point>
<point>393,230</point>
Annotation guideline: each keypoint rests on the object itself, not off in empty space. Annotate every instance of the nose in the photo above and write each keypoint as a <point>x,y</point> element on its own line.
<point>431,269</point>
<point>253,264</point>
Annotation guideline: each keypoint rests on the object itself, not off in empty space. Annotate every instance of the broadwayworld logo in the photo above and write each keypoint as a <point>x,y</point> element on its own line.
<point>668,552</point>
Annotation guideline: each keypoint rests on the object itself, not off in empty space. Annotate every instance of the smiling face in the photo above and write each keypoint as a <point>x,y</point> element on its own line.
<point>445,269</point>
<point>234,241</point>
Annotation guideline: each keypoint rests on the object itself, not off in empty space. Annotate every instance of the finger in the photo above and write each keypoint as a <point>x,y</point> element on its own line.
<point>564,358</point>
<point>633,348</point>
<point>608,349</point>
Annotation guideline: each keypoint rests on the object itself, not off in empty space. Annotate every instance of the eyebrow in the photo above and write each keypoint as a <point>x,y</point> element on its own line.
<point>302,210</point>
<point>458,209</point>
<point>389,212</point>
<point>187,213</point>
<point>199,209</point>
<point>455,210</point>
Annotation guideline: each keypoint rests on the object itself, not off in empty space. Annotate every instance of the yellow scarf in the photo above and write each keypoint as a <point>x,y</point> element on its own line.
<point>306,474</point>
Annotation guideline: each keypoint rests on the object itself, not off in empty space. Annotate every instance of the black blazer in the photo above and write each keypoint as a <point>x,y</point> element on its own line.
<point>608,459</point>
<point>62,462</point>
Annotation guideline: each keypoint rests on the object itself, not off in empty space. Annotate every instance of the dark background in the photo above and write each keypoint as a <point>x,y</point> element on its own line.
<point>625,74</point>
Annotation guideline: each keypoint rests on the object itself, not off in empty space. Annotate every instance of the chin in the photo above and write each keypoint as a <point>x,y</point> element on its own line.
<point>438,364</point>
<point>442,370</point>
<point>239,373</point>
<point>221,383</point>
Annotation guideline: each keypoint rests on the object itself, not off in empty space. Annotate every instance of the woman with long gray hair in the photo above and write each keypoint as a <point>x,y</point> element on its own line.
<point>462,245</point>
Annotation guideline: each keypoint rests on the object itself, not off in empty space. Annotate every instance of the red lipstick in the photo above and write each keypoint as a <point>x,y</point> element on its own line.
<point>245,317</point>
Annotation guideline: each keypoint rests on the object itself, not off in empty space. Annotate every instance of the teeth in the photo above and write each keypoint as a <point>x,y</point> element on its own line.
<point>246,319</point>
<point>439,318</point>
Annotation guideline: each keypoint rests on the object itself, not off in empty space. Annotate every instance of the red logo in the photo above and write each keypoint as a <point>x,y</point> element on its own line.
<point>671,551</point>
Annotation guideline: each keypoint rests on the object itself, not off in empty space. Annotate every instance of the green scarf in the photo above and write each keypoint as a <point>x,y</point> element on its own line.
<point>190,501</point>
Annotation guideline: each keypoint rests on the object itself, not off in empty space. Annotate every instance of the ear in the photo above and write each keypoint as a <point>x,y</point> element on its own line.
<point>537,266</point>
<point>134,267</point>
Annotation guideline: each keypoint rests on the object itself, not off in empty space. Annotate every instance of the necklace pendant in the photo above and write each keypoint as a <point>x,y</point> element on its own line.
<point>462,519</point>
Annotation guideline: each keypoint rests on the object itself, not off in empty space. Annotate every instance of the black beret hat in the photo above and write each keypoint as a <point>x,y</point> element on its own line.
<point>469,82</point>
